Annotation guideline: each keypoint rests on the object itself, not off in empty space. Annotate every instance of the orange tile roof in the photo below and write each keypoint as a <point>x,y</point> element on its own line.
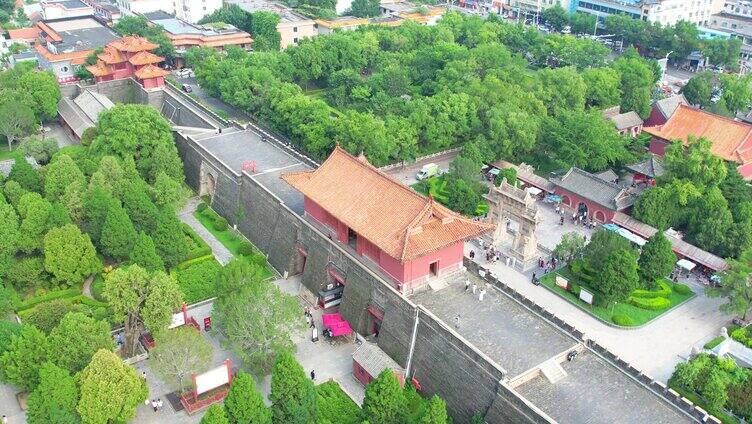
<point>99,69</point>
<point>727,137</point>
<point>401,222</point>
<point>145,58</point>
<point>51,33</point>
<point>78,57</point>
<point>111,55</point>
<point>151,71</point>
<point>133,43</point>
<point>23,33</point>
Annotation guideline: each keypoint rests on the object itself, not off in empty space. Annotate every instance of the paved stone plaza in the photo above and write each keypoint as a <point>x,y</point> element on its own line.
<point>549,231</point>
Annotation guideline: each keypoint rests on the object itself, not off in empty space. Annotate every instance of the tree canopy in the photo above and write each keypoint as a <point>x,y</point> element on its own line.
<point>292,394</point>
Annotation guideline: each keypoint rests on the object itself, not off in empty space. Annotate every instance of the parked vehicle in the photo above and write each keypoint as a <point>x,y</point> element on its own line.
<point>428,171</point>
<point>187,88</point>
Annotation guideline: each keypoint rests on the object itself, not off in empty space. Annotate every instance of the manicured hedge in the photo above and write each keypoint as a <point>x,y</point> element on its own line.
<point>220,224</point>
<point>187,264</point>
<point>623,320</point>
<point>653,303</point>
<point>663,291</point>
<point>682,289</point>
<point>200,247</point>
<point>58,294</point>
<point>245,248</point>
<point>196,281</point>
<point>84,300</point>
<point>201,207</point>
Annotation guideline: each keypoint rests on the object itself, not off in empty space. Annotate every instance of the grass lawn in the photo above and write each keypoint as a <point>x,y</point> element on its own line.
<point>229,238</point>
<point>9,154</point>
<point>639,316</point>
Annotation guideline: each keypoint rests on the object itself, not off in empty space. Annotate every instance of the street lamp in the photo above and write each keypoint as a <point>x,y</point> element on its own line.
<point>665,66</point>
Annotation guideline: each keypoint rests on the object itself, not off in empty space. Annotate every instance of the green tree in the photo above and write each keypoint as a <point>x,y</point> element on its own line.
<point>737,93</point>
<point>110,390</point>
<point>686,38</point>
<point>75,340</point>
<point>9,236</point>
<point>264,29</point>
<point>26,176</point>
<point>41,149</point>
<point>19,364</point>
<point>637,79</point>
<point>365,8</point>
<point>118,233</point>
<point>255,316</point>
<point>215,414</point>
<point>555,17</point>
<point>618,276</point>
<point>231,14</point>
<point>96,204</point>
<point>563,89</point>
<point>166,191</point>
<point>737,286</point>
<point>436,412</point>
<point>602,245</point>
<point>8,330</point>
<point>44,90</point>
<point>244,403</point>
<point>144,254</point>
<point>461,197</point>
<point>602,87</point>
<point>722,52</point>
<point>384,401</point>
<point>138,132</point>
<point>293,395</point>
<point>60,174</point>
<point>582,23</point>
<point>571,247</point>
<point>169,238</point>
<point>709,221</point>
<point>699,89</point>
<point>142,212</point>
<point>137,296</point>
<point>16,117</point>
<point>657,260</point>
<point>179,354</point>
<point>55,398</point>
<point>69,255</point>
<point>47,315</point>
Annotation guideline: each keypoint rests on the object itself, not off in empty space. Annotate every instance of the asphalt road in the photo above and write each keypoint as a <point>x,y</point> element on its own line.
<point>406,174</point>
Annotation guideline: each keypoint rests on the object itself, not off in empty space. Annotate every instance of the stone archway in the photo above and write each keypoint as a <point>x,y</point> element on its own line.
<point>208,182</point>
<point>565,200</point>
<point>582,209</point>
<point>599,216</point>
<point>512,208</point>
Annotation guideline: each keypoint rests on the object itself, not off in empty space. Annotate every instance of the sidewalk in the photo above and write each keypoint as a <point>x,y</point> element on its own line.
<point>654,349</point>
<point>186,215</point>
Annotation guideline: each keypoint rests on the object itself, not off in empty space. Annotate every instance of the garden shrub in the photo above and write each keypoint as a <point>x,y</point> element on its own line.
<point>198,246</point>
<point>663,291</point>
<point>574,289</point>
<point>57,294</point>
<point>335,405</point>
<point>259,259</point>
<point>201,207</point>
<point>47,315</point>
<point>197,281</point>
<point>245,248</point>
<point>652,303</point>
<point>220,224</point>
<point>187,264</point>
<point>682,289</point>
<point>740,335</point>
<point>623,320</point>
<point>28,273</point>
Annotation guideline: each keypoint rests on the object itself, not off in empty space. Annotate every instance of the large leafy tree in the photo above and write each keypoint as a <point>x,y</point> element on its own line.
<point>436,412</point>
<point>118,233</point>
<point>25,175</point>
<point>75,340</point>
<point>737,93</point>
<point>602,245</point>
<point>562,89</point>
<point>111,390</point>
<point>571,246</point>
<point>179,354</point>
<point>264,28</point>
<point>135,295</point>
<point>695,162</point>
<point>555,17</point>
<point>19,364</point>
<point>699,89</point>
<point>364,8</point>
<point>8,330</point>
<point>618,277</point>
<point>709,221</point>
<point>737,286</point>
<point>142,212</point>
<point>215,414</point>
<point>603,87</point>
<point>36,213</point>
<point>96,204</point>
<point>169,238</point>
<point>637,78</point>
<point>61,174</point>
<point>44,90</point>
<point>722,52</point>
<point>384,400</point>
<point>69,255</point>
<point>138,132</point>
<point>293,395</point>
<point>55,398</point>
<point>244,403</point>
<point>256,317</point>
<point>656,260</point>
<point>16,117</point>
<point>9,236</point>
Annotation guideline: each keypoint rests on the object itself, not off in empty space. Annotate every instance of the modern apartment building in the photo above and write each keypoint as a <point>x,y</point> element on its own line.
<point>736,21</point>
<point>292,26</point>
<point>665,12</point>
<point>187,10</point>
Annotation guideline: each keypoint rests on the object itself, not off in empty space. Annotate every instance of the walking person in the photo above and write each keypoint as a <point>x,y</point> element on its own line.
<point>160,404</point>
<point>457,321</point>
<point>472,255</point>
<point>481,294</point>
<point>154,404</point>
<point>5,419</point>
<point>475,287</point>
<point>533,278</point>
<point>313,375</point>
<point>467,285</point>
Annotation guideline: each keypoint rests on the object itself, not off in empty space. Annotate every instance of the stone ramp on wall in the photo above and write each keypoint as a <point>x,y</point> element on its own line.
<point>553,371</point>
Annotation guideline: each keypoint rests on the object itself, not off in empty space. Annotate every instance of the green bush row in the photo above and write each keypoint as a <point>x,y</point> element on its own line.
<point>84,300</point>
<point>58,294</point>
<point>663,291</point>
<point>187,264</point>
<point>623,320</point>
<point>202,248</point>
<point>652,303</point>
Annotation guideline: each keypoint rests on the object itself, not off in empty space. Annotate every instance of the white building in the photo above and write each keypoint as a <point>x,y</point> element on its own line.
<point>57,9</point>
<point>532,7</point>
<point>665,12</point>
<point>188,10</point>
<point>292,26</point>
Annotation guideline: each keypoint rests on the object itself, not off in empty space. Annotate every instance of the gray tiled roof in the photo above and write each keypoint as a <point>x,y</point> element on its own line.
<point>608,175</point>
<point>652,167</point>
<point>92,104</point>
<point>73,116</point>
<point>626,120</point>
<point>374,360</point>
<point>593,188</point>
<point>668,106</point>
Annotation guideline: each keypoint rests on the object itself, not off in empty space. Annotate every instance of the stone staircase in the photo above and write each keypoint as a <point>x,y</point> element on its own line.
<point>552,370</point>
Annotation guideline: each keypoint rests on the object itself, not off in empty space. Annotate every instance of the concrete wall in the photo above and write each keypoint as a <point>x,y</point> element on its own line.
<point>444,363</point>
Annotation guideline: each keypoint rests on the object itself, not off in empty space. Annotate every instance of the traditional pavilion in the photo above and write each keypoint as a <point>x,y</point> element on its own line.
<point>410,237</point>
<point>130,56</point>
